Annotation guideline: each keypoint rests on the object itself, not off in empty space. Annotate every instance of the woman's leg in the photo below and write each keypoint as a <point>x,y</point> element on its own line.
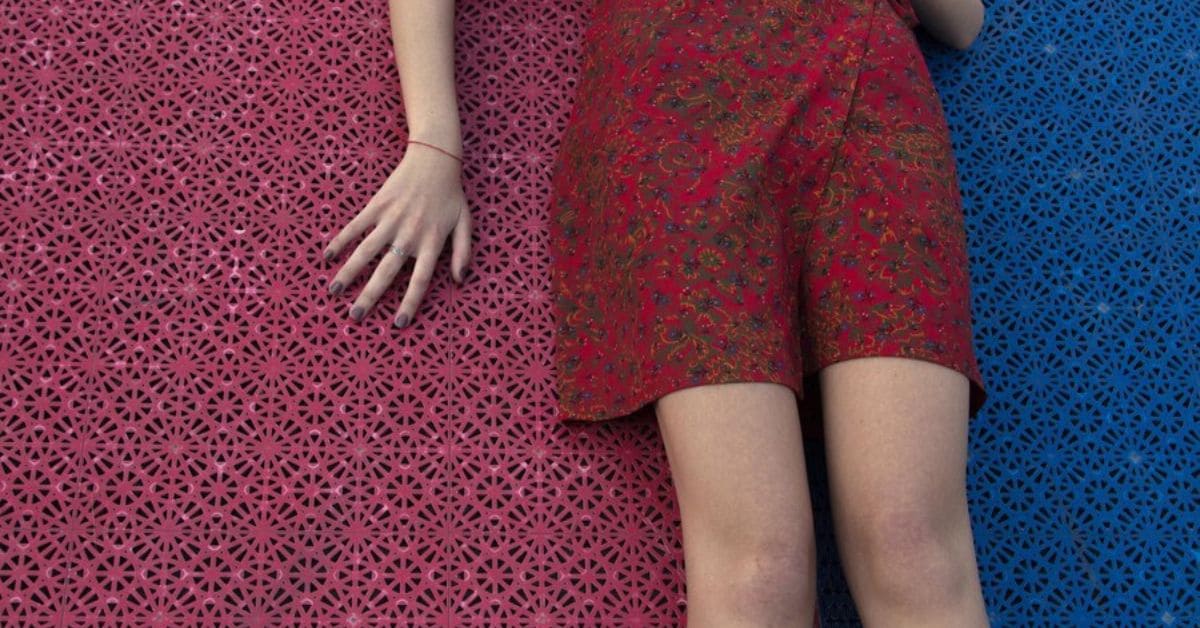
<point>737,464</point>
<point>896,448</point>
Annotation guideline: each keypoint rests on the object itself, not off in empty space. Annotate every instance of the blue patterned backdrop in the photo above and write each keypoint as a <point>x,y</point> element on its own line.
<point>1077,126</point>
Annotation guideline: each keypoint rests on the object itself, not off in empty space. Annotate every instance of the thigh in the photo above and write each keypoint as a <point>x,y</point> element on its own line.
<point>737,464</point>
<point>896,450</point>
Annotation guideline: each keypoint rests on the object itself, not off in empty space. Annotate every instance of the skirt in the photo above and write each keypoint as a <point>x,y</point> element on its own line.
<point>752,191</point>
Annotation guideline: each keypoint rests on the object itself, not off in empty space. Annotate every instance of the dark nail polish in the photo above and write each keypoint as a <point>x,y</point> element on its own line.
<point>402,320</point>
<point>336,288</point>
<point>356,312</point>
<point>328,255</point>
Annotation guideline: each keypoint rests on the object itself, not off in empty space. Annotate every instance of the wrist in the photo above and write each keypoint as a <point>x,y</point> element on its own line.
<point>431,147</point>
<point>445,135</point>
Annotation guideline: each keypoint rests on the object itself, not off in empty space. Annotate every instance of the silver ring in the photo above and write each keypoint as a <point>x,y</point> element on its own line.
<point>395,249</point>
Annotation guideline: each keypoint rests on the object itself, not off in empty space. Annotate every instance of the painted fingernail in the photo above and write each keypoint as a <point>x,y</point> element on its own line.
<point>402,320</point>
<point>356,312</point>
<point>335,288</point>
<point>328,255</point>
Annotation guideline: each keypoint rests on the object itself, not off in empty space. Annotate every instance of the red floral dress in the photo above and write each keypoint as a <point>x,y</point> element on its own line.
<point>752,191</point>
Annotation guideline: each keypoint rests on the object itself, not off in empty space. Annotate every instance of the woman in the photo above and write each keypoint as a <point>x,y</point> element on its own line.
<point>754,203</point>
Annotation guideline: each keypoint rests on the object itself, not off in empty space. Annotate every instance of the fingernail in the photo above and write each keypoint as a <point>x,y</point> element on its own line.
<point>356,312</point>
<point>336,288</point>
<point>328,255</point>
<point>402,320</point>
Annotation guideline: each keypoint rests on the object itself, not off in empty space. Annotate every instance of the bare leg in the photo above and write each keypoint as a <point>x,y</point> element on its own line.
<point>737,465</point>
<point>896,447</point>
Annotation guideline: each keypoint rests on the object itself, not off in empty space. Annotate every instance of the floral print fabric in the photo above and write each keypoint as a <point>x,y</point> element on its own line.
<point>752,191</point>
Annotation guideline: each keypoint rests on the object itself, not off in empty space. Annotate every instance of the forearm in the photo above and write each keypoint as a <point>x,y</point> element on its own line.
<point>423,40</point>
<point>954,22</point>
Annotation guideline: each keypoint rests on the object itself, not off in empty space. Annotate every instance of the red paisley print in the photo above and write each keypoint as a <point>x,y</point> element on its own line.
<point>752,191</point>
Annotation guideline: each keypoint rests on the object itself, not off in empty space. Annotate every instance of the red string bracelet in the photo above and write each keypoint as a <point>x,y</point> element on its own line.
<point>438,149</point>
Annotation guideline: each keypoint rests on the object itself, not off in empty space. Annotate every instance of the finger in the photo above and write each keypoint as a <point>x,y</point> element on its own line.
<point>460,252</point>
<point>352,230</point>
<point>383,276</point>
<point>363,253</point>
<point>418,284</point>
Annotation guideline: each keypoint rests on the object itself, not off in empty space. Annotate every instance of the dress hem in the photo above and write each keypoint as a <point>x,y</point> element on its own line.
<point>805,388</point>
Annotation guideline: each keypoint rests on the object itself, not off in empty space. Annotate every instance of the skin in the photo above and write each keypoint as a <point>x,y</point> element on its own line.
<point>422,202</point>
<point>895,428</point>
<point>955,23</point>
<point>736,455</point>
<point>896,449</point>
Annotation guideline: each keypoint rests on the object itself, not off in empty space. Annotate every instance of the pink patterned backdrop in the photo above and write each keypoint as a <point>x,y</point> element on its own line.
<point>194,431</point>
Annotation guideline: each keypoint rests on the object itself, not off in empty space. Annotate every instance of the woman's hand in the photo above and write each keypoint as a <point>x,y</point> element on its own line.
<point>955,23</point>
<point>420,203</point>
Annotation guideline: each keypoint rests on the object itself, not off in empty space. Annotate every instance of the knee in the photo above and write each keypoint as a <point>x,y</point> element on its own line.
<point>912,557</point>
<point>777,574</point>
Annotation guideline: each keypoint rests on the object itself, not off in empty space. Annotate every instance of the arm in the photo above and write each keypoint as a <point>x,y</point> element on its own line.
<point>422,202</point>
<point>423,40</point>
<point>954,22</point>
